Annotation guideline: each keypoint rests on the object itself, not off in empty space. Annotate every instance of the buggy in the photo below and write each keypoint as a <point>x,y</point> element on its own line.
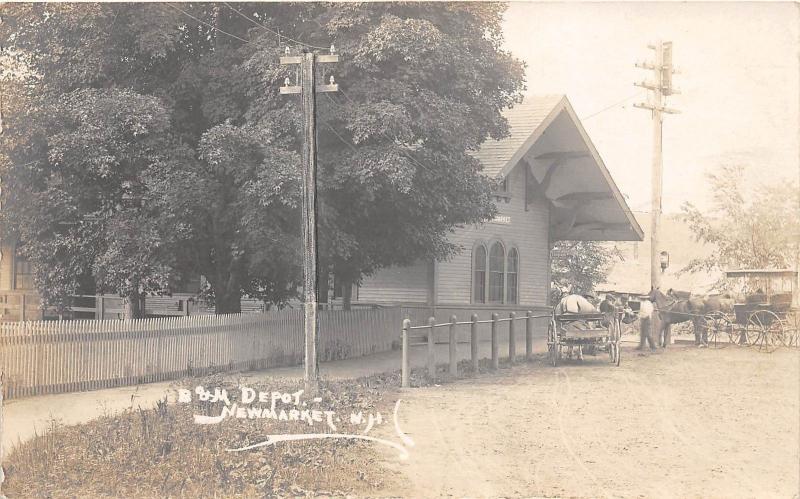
<point>765,314</point>
<point>596,330</point>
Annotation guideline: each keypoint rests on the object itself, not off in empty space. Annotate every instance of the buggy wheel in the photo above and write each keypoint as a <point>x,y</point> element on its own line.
<point>613,349</point>
<point>615,328</point>
<point>737,335</point>
<point>791,336</point>
<point>767,329</point>
<point>717,325</point>
<point>555,354</point>
<point>553,348</point>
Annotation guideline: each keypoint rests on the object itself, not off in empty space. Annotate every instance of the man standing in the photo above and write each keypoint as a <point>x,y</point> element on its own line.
<point>646,311</point>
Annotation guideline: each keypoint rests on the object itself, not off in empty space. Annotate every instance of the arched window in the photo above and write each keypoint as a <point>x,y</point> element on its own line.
<point>23,273</point>
<point>497,260</point>
<point>479,274</point>
<point>512,269</point>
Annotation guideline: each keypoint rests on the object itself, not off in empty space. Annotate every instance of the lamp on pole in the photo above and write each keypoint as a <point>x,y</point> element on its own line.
<point>664,260</point>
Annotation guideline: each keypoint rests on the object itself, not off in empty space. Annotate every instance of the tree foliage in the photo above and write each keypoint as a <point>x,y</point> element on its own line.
<point>576,267</point>
<point>178,106</point>
<point>748,226</point>
<point>75,198</point>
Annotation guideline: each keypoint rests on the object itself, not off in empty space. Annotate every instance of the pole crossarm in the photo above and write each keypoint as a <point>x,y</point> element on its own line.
<point>667,110</point>
<point>647,85</point>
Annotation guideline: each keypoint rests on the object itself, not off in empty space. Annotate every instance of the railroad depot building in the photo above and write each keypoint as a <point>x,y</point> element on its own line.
<point>555,187</point>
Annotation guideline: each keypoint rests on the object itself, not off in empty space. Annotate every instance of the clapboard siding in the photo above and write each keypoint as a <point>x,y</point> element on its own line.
<point>397,285</point>
<point>527,231</point>
<point>6,266</point>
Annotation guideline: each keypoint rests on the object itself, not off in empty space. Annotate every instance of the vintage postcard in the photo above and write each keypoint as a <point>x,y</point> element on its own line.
<point>400,249</point>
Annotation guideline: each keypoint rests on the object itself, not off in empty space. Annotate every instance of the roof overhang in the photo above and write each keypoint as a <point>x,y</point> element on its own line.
<point>565,167</point>
<point>778,273</point>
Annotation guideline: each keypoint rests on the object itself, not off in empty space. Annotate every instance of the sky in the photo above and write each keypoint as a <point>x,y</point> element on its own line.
<point>739,82</point>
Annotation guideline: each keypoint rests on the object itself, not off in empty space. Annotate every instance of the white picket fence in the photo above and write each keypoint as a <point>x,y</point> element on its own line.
<point>43,357</point>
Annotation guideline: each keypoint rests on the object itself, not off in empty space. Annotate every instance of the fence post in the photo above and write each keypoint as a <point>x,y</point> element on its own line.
<point>404,369</point>
<point>512,339</point>
<point>529,336</point>
<point>431,349</point>
<point>495,344</point>
<point>473,342</point>
<point>100,307</point>
<point>22,306</point>
<point>453,354</point>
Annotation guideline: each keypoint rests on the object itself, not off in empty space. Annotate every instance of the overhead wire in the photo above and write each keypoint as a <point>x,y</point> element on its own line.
<point>342,139</point>
<point>355,148</point>
<point>401,149</point>
<point>172,6</point>
<point>626,99</point>
<point>261,25</point>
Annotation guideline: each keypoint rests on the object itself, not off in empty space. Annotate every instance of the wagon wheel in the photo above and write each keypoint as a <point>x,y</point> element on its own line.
<point>767,329</point>
<point>610,343</point>
<point>613,351</point>
<point>682,329</point>
<point>615,328</point>
<point>791,337</point>
<point>710,330</point>
<point>717,325</point>
<point>553,348</point>
<point>737,334</point>
<point>615,347</point>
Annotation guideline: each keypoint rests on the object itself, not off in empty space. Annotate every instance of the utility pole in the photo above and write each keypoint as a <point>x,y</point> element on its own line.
<point>660,88</point>
<point>308,89</point>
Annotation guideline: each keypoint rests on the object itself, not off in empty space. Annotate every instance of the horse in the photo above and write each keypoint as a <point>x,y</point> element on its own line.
<point>720,303</point>
<point>673,310</point>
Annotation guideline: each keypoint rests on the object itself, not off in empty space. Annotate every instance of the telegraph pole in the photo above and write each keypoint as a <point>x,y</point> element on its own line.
<point>660,88</point>
<point>308,89</point>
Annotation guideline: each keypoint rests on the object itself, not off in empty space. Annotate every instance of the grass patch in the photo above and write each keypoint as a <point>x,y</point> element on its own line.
<point>161,452</point>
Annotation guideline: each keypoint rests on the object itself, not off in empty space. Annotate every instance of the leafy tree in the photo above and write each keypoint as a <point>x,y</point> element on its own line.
<point>228,229</point>
<point>748,226</point>
<point>395,175</point>
<point>75,202</point>
<point>578,266</point>
<point>81,230</point>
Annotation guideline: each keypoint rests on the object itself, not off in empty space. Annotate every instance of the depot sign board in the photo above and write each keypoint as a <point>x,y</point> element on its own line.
<point>501,220</point>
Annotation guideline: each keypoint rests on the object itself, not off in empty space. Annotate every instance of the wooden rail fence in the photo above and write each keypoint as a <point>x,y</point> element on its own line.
<point>44,357</point>
<point>412,333</point>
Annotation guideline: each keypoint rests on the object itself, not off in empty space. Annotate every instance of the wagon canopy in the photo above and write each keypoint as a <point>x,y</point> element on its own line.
<point>771,281</point>
<point>562,164</point>
<point>780,273</point>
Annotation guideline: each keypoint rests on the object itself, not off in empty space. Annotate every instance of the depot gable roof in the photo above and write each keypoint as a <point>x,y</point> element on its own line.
<point>547,137</point>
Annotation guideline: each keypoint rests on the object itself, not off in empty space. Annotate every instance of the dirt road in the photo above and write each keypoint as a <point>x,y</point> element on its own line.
<point>685,423</point>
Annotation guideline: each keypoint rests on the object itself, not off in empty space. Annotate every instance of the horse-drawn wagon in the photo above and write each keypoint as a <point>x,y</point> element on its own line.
<point>574,331</point>
<point>765,313</point>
